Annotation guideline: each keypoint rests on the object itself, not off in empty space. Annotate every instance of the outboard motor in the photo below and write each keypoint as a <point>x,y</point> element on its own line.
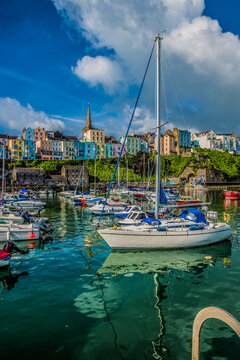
<point>10,246</point>
<point>26,216</point>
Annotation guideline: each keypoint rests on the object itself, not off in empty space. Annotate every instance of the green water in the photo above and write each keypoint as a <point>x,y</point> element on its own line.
<point>72,298</point>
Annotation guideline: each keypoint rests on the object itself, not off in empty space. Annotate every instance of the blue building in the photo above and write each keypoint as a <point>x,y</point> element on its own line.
<point>183,139</point>
<point>109,150</point>
<point>144,145</point>
<point>79,150</point>
<point>90,150</point>
<point>29,150</point>
<point>27,134</point>
<point>237,144</point>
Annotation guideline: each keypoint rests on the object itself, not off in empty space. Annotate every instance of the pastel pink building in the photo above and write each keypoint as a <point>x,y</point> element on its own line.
<point>116,148</point>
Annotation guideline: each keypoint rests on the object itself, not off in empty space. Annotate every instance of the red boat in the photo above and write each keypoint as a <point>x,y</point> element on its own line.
<point>186,200</point>
<point>232,194</point>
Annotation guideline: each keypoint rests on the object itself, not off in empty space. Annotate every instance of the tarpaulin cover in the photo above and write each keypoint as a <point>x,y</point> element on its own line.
<point>151,221</point>
<point>4,254</point>
<point>198,218</point>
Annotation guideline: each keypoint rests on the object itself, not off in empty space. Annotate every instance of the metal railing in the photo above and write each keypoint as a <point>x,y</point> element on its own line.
<point>210,313</point>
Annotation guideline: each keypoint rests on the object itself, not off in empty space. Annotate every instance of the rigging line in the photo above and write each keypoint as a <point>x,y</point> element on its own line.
<point>175,88</point>
<point>129,125</point>
<point>164,95</point>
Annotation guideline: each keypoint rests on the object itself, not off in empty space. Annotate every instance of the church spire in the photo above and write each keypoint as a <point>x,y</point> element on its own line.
<point>88,122</point>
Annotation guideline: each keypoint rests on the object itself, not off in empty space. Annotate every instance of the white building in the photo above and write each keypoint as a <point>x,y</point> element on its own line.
<point>210,140</point>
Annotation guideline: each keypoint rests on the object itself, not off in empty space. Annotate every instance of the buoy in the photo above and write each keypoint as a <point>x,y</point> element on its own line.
<point>114,227</point>
<point>208,258</point>
<point>32,236</point>
<point>226,217</point>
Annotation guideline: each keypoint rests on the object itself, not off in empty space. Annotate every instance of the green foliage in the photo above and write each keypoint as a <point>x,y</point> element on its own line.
<point>140,164</point>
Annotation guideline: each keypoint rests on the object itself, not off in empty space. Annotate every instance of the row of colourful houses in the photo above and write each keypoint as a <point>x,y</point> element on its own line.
<point>54,145</point>
<point>49,145</point>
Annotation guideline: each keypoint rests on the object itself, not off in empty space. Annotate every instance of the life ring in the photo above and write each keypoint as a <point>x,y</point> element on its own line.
<point>226,217</point>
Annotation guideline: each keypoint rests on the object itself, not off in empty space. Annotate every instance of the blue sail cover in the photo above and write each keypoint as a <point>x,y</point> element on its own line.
<point>163,199</point>
<point>151,221</point>
<point>197,217</point>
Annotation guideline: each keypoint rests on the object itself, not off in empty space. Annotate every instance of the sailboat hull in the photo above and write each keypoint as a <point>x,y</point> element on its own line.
<point>123,239</point>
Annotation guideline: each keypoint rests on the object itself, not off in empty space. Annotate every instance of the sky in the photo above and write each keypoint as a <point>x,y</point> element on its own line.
<point>58,56</point>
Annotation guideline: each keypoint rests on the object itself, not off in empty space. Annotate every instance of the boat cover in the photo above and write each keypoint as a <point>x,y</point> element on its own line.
<point>198,218</point>
<point>151,221</point>
<point>163,199</point>
<point>4,255</point>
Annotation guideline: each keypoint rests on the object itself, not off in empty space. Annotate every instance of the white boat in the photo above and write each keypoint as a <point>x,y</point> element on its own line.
<point>17,219</point>
<point>108,209</point>
<point>67,194</point>
<point>15,232</point>
<point>45,193</point>
<point>4,263</point>
<point>25,204</point>
<point>128,210</point>
<point>164,237</point>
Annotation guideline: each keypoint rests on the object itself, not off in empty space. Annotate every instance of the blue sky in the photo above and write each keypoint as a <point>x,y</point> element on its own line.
<point>58,56</point>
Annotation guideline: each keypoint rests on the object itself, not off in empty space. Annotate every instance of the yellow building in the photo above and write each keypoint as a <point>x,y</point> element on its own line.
<point>68,150</point>
<point>16,148</point>
<point>101,151</point>
<point>92,134</point>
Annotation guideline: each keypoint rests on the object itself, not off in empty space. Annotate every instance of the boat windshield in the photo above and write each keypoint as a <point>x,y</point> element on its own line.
<point>131,215</point>
<point>140,216</point>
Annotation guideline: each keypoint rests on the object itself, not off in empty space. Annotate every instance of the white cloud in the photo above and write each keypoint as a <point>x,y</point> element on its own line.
<point>204,59</point>
<point>99,70</point>
<point>15,116</point>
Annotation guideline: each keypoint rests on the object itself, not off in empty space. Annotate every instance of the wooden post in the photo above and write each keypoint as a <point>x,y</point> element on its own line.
<point>210,313</point>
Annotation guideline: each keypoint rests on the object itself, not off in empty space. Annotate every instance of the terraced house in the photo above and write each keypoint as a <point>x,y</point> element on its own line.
<point>29,150</point>
<point>68,150</point>
<point>16,148</point>
<point>133,144</point>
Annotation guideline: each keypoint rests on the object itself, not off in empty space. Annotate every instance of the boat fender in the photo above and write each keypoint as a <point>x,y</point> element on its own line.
<point>208,258</point>
<point>115,227</point>
<point>226,217</point>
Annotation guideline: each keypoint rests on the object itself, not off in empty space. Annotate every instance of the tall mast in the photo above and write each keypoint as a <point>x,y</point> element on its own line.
<point>118,176</point>
<point>158,118</point>
<point>3,170</point>
<point>95,174</point>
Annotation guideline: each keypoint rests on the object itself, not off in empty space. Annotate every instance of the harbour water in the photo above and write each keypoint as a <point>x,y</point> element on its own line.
<point>72,298</point>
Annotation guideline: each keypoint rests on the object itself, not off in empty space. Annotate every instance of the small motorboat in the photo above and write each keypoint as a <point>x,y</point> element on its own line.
<point>4,259</point>
<point>187,200</point>
<point>127,210</point>
<point>233,195</point>
<point>11,231</point>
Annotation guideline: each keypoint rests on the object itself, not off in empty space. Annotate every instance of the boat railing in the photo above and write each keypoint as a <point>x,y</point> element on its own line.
<point>210,313</point>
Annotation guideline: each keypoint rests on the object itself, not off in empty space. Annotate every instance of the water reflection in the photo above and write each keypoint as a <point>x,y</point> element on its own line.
<point>119,262</point>
<point>163,267</point>
<point>231,203</point>
<point>8,279</point>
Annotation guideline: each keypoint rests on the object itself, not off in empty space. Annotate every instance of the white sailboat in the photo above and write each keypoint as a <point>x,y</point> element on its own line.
<point>164,237</point>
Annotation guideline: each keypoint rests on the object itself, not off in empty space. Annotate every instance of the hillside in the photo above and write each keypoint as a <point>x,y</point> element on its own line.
<point>143,165</point>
